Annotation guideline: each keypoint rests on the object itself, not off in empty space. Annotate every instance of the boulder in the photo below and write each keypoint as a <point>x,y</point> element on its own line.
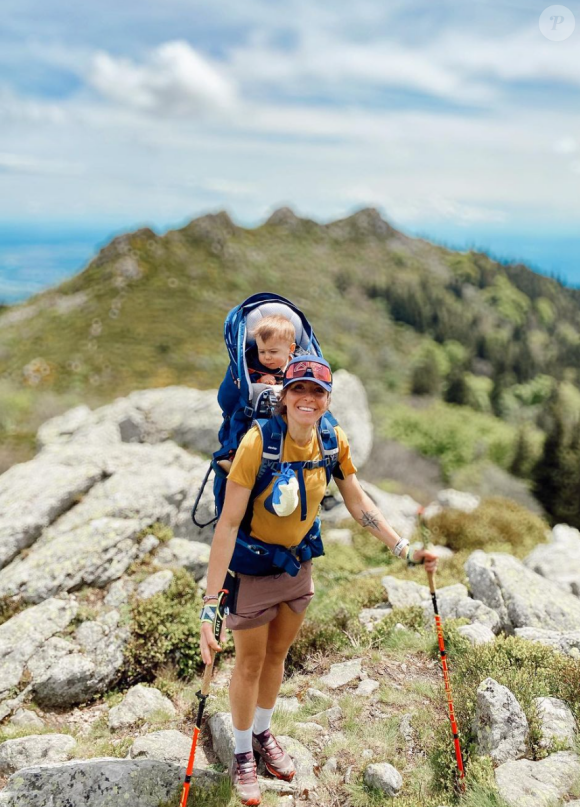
<point>366,688</point>
<point>350,406</point>
<point>500,724</point>
<point>335,536</point>
<point>169,745</point>
<point>222,736</point>
<point>33,494</point>
<point>154,584</point>
<point>477,633</point>
<point>119,592</point>
<point>566,642</point>
<point>95,554</point>
<point>66,673</point>
<point>305,780</point>
<point>384,777</point>
<point>557,722</point>
<point>538,784</point>
<point>452,601</point>
<point>521,597</point>
<point>190,555</point>
<point>22,636</point>
<point>105,782</point>
<point>559,560</point>
<point>26,719</point>
<point>139,704</point>
<point>36,749</point>
<point>458,500</point>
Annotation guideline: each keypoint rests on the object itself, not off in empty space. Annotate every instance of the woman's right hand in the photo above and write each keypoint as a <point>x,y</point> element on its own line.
<point>209,646</point>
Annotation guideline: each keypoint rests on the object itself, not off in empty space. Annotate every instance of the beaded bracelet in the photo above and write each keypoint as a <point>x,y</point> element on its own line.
<point>209,597</point>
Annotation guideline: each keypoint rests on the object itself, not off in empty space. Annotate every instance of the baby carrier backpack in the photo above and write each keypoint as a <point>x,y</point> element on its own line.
<point>244,403</point>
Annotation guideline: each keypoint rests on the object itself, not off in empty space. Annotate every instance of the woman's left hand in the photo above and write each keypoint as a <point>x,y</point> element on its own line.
<point>429,557</point>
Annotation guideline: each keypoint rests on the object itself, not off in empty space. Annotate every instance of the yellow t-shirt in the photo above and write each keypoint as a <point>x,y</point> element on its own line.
<point>286,530</point>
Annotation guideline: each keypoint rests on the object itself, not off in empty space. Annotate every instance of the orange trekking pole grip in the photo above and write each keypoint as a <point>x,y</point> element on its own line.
<point>443,654</point>
<point>202,697</point>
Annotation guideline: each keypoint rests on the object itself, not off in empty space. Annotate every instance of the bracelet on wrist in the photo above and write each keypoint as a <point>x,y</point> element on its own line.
<point>399,547</point>
<point>208,613</point>
<point>209,597</point>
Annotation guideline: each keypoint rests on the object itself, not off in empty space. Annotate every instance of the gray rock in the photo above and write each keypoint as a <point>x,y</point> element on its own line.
<point>94,554</point>
<point>32,495</point>
<point>222,736</point>
<point>26,719</point>
<point>305,779</point>
<point>148,545</point>
<point>557,721</point>
<point>343,673</point>
<point>559,560</point>
<point>370,617</point>
<point>191,555</point>
<point>336,536</point>
<point>169,745</point>
<point>318,698</point>
<point>366,688</point>
<point>384,777</point>
<point>567,642</point>
<point>521,597</point>
<point>96,783</point>
<point>330,767</point>
<point>477,633</point>
<point>288,705</point>
<point>350,406</point>
<point>36,749</point>
<point>538,784</point>
<point>332,715</point>
<point>119,592</point>
<point>63,675</point>
<point>154,584</point>
<point>22,636</point>
<point>452,601</point>
<point>500,724</point>
<point>458,500</point>
<point>140,703</point>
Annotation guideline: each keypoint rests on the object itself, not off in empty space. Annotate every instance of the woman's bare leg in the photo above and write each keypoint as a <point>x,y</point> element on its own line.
<point>250,653</point>
<point>282,632</point>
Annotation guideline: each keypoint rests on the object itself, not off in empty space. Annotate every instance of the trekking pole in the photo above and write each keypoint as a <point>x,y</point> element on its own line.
<point>202,696</point>
<point>443,654</point>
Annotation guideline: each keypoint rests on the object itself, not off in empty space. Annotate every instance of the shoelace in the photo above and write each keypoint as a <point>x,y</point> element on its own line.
<point>272,745</point>
<point>246,771</point>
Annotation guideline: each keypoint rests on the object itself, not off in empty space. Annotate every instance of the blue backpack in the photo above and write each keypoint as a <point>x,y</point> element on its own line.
<point>244,404</point>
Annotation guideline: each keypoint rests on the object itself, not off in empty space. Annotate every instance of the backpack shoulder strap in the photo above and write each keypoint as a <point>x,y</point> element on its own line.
<point>328,444</point>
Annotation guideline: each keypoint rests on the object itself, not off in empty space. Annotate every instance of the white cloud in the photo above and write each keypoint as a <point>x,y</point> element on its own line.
<point>566,145</point>
<point>228,187</point>
<point>175,80</point>
<point>22,164</point>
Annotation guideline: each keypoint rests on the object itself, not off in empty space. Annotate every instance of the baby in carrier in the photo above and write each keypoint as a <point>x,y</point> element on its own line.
<point>275,345</point>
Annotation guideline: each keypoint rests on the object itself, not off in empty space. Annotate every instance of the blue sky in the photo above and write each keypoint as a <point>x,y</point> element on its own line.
<point>456,120</point>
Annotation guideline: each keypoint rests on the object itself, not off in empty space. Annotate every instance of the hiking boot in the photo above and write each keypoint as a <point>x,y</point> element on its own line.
<point>244,778</point>
<point>277,761</point>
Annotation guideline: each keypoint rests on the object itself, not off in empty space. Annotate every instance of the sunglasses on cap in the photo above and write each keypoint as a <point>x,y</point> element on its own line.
<point>305,369</point>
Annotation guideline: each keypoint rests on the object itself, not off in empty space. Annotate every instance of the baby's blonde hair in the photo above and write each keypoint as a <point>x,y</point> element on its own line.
<point>275,327</point>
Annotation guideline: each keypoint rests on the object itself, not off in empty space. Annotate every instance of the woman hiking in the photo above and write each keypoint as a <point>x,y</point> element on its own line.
<point>268,606</point>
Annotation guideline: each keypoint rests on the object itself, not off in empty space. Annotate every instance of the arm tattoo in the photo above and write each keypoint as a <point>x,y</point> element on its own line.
<point>370,519</point>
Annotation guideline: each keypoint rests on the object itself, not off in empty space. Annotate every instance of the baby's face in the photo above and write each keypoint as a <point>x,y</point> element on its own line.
<point>273,353</point>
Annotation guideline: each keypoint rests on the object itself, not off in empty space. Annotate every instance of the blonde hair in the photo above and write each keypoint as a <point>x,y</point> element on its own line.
<point>275,327</point>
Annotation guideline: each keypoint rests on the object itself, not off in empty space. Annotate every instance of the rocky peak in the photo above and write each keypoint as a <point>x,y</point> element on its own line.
<point>213,227</point>
<point>285,217</point>
<point>364,223</point>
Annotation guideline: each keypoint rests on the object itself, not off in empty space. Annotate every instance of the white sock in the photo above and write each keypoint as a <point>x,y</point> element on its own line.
<point>262,719</point>
<point>243,739</point>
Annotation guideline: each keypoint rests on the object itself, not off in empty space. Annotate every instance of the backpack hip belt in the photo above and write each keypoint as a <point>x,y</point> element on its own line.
<point>258,558</point>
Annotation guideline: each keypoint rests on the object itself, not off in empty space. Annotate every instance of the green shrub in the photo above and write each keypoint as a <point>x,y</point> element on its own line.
<point>496,525</point>
<point>165,629</point>
<point>332,619</point>
<point>455,435</point>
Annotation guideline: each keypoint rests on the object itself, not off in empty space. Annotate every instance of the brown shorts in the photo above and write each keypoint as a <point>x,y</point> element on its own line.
<point>254,601</point>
